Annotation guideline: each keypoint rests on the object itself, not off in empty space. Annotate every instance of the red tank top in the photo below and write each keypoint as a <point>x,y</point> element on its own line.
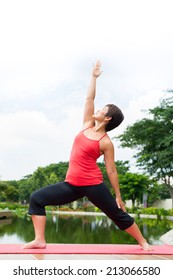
<point>83,169</point>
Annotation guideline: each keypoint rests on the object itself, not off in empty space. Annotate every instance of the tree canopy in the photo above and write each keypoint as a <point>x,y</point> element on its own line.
<point>132,185</point>
<point>152,140</point>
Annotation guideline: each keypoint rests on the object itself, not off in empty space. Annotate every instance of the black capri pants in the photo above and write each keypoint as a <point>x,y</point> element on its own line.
<point>63,193</point>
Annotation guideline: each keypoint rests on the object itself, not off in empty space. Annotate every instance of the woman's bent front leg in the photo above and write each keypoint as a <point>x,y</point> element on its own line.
<point>57,194</point>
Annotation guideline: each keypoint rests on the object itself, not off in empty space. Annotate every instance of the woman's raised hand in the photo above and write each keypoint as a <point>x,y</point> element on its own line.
<point>96,69</point>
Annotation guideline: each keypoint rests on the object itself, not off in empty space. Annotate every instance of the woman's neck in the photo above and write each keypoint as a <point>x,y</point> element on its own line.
<point>99,127</point>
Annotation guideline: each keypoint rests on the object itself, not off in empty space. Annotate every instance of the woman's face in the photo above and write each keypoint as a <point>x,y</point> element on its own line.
<point>101,113</point>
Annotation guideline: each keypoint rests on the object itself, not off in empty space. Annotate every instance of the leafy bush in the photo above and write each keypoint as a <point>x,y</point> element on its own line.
<point>152,211</point>
<point>149,210</point>
<point>12,206</point>
<point>170,212</point>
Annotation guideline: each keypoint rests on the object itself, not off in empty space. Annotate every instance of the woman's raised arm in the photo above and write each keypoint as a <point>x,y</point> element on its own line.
<point>89,102</point>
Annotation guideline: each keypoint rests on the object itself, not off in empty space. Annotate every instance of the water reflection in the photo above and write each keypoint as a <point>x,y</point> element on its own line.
<point>5,221</point>
<point>80,229</point>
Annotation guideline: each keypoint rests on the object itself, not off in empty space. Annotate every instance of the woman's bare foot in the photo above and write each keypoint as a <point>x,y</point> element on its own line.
<point>34,245</point>
<point>145,246</point>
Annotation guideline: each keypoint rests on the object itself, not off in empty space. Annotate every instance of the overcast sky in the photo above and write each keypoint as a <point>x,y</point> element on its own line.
<point>47,50</point>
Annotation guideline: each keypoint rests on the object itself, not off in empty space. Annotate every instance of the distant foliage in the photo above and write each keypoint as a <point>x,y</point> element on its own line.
<point>132,184</point>
<point>152,140</point>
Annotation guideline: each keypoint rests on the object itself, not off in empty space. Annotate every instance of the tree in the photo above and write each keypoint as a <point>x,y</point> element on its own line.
<point>31,183</point>
<point>157,192</point>
<point>153,140</point>
<point>52,179</point>
<point>12,194</point>
<point>25,189</point>
<point>3,186</point>
<point>133,186</point>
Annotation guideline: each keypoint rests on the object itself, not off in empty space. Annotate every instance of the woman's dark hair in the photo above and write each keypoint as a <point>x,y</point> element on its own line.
<point>116,117</point>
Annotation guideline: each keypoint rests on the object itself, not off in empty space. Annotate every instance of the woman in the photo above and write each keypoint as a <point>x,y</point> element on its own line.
<point>83,177</point>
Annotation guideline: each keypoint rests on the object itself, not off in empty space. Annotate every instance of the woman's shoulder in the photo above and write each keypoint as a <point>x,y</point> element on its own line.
<point>106,143</point>
<point>106,138</point>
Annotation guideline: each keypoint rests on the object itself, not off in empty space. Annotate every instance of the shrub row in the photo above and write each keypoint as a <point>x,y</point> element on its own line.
<point>138,211</point>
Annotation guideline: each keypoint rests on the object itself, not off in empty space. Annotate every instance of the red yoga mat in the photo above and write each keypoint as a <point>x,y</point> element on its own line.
<point>88,249</point>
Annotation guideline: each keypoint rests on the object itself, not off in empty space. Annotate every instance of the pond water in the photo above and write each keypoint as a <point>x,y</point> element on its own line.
<point>80,229</point>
